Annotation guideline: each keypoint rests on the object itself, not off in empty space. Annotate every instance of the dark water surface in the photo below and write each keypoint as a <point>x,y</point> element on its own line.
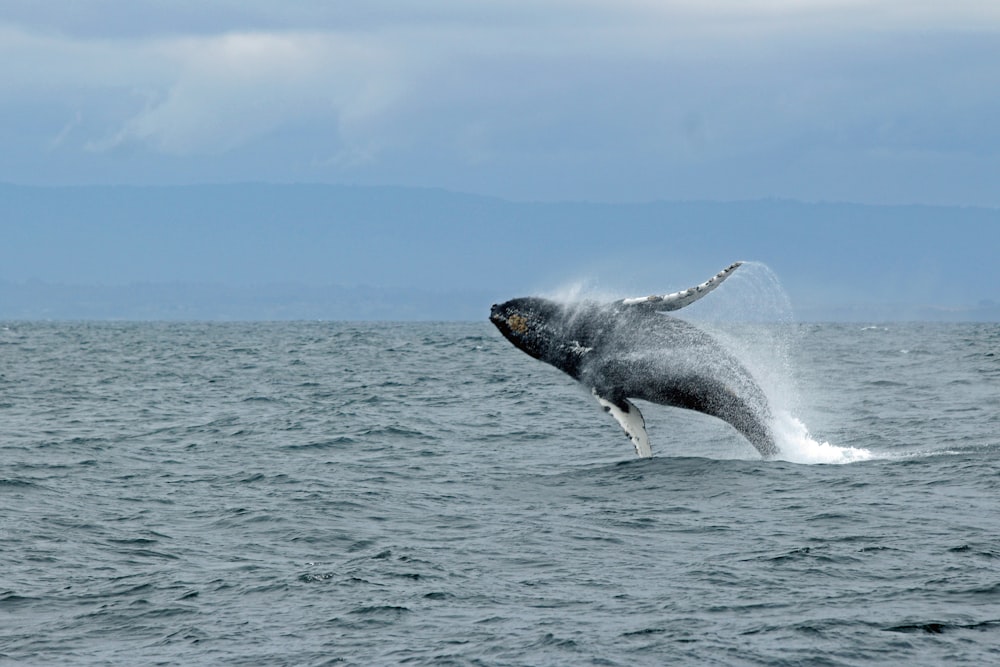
<point>330,493</point>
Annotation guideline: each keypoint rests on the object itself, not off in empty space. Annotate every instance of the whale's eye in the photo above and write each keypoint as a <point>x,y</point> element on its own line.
<point>517,324</point>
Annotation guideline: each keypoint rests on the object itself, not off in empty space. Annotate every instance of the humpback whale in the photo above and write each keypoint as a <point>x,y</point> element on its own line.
<point>631,349</point>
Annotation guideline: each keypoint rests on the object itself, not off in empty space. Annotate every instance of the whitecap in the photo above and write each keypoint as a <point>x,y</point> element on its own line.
<point>796,445</point>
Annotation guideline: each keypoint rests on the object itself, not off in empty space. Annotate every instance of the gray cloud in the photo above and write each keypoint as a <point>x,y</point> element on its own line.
<point>631,99</point>
<point>146,18</point>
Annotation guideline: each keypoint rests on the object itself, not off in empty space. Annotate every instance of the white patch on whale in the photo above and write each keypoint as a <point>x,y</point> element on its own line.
<point>677,300</point>
<point>631,422</point>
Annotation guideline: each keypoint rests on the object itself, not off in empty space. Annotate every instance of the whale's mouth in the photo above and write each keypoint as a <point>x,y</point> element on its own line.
<point>499,319</point>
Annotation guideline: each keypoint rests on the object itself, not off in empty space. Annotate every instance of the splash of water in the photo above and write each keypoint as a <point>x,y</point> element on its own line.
<point>580,290</point>
<point>756,300</point>
<point>796,445</point>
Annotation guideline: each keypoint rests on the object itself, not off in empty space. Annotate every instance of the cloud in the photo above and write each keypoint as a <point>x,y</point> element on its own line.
<point>116,19</point>
<point>232,88</point>
<point>631,98</point>
<point>195,95</point>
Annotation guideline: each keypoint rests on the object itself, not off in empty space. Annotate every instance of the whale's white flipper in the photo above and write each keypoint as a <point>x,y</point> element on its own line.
<point>683,298</point>
<point>631,420</point>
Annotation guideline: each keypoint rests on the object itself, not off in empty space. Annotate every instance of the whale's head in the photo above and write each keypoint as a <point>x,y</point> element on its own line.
<point>532,324</point>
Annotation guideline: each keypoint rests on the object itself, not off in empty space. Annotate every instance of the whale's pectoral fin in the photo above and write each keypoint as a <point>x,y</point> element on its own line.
<point>677,300</point>
<point>630,419</point>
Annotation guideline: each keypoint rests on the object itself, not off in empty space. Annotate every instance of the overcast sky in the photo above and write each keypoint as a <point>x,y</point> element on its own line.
<point>885,101</point>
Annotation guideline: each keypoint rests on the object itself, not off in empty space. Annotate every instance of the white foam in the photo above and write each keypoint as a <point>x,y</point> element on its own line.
<point>797,446</point>
<point>580,290</point>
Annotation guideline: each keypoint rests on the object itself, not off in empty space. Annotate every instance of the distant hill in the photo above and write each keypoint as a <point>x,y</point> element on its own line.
<point>35,300</point>
<point>256,251</point>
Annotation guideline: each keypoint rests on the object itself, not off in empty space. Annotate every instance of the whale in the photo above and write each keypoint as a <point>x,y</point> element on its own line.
<point>632,349</point>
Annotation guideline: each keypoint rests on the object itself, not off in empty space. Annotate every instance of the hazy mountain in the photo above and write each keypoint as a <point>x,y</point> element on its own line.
<point>255,251</point>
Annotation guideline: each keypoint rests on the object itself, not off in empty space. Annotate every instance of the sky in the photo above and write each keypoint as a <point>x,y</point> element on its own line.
<point>868,101</point>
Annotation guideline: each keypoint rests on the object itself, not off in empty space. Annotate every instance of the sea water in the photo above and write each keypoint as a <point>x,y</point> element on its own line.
<point>425,494</point>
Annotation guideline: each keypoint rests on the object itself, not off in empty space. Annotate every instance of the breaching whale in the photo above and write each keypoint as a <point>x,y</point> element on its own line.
<point>632,349</point>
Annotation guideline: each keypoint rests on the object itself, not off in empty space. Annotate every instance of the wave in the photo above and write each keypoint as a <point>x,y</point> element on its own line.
<point>796,445</point>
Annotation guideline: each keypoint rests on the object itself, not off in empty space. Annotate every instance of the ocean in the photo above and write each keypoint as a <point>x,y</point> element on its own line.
<point>324,493</point>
